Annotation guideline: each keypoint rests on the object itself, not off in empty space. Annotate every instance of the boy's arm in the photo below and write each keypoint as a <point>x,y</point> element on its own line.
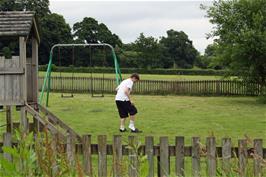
<point>127,92</point>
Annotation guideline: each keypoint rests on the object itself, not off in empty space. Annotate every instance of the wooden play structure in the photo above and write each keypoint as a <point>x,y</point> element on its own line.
<point>19,76</point>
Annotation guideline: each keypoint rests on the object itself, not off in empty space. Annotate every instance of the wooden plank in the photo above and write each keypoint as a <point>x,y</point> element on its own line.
<point>7,138</point>
<point>8,84</point>
<point>2,81</point>
<point>179,158</point>
<point>117,156</point>
<point>132,157</point>
<point>58,121</point>
<point>258,157</point>
<point>149,152</point>
<point>195,156</point>
<point>54,144</point>
<point>34,71</point>
<point>226,155</point>
<point>242,156</point>
<point>211,156</point>
<point>102,156</point>
<point>9,121</point>
<point>70,149</point>
<point>44,122</point>
<point>22,59</point>
<point>11,71</point>
<point>16,81</point>
<point>23,120</point>
<point>164,157</point>
<point>87,160</point>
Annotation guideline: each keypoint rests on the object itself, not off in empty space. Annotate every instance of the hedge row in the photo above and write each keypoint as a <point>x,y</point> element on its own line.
<point>137,70</point>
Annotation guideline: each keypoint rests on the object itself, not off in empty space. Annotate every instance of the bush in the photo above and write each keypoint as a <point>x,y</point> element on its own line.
<point>133,70</point>
<point>7,52</point>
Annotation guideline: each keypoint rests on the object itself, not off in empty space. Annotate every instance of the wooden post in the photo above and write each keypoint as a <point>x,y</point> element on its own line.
<point>132,157</point>
<point>7,138</point>
<point>226,155</point>
<point>54,144</point>
<point>195,156</point>
<point>35,70</point>
<point>242,155</point>
<point>24,123</point>
<point>117,156</point>
<point>149,152</point>
<point>9,121</point>
<point>211,156</point>
<point>87,162</point>
<point>102,156</point>
<point>258,156</point>
<point>164,157</point>
<point>22,62</point>
<point>70,149</point>
<point>179,158</point>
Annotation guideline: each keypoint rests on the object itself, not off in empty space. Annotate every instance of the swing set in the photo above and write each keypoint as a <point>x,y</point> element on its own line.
<point>47,80</point>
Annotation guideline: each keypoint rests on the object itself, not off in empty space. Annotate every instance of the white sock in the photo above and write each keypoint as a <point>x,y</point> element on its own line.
<point>131,125</point>
<point>122,127</point>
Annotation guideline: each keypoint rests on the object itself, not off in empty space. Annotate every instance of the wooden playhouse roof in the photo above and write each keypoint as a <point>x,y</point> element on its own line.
<point>18,23</point>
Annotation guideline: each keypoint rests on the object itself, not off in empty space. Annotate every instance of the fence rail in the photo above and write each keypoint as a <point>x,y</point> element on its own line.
<point>158,156</point>
<point>156,87</point>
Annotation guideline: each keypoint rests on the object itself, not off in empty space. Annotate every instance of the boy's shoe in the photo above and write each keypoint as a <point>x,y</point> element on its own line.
<point>136,131</point>
<point>122,130</point>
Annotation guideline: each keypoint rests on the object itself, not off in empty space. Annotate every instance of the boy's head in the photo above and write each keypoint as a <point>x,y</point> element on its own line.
<point>135,77</point>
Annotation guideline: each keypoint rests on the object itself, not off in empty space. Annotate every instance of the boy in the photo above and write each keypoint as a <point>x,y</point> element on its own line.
<point>124,103</point>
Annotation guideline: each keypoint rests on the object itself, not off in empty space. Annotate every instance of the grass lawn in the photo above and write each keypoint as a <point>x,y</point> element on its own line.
<point>143,76</point>
<point>166,116</point>
<point>169,116</point>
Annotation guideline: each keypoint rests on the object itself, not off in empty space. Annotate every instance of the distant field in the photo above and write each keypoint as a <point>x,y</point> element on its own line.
<point>143,76</point>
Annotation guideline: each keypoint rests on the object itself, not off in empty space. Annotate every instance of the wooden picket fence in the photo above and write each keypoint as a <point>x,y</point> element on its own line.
<point>158,156</point>
<point>155,87</point>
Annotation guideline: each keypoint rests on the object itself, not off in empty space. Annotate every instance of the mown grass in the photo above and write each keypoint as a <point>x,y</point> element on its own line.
<point>165,116</point>
<point>143,76</point>
<point>169,116</point>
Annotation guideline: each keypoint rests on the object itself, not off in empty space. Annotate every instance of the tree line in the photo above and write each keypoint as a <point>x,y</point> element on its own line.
<point>173,51</point>
<point>239,46</point>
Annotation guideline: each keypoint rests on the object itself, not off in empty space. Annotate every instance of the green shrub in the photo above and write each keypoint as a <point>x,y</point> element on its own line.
<point>7,52</point>
<point>138,70</point>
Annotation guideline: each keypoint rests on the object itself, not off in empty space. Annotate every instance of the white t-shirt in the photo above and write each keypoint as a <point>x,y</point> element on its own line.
<point>121,96</point>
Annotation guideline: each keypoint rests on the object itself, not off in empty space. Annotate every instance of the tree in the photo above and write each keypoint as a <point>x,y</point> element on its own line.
<point>210,59</point>
<point>90,31</point>
<point>54,30</point>
<point>10,5</point>
<point>178,49</point>
<point>240,29</point>
<point>41,7</point>
<point>148,50</point>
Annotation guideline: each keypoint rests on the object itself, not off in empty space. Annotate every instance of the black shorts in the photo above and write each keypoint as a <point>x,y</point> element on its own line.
<point>125,108</point>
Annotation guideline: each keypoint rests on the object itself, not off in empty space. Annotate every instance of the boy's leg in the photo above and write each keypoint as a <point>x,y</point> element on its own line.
<point>122,123</point>
<point>132,122</point>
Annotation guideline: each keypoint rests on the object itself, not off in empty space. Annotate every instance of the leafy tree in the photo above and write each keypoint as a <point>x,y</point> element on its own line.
<point>210,59</point>
<point>178,49</point>
<point>240,29</point>
<point>54,30</point>
<point>10,5</point>
<point>41,7</point>
<point>148,50</point>
<point>90,31</point>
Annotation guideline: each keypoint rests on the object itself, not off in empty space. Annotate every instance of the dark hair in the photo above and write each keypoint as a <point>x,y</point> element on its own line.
<point>135,75</point>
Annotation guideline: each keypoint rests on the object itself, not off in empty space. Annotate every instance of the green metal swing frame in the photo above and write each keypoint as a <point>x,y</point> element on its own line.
<point>47,80</point>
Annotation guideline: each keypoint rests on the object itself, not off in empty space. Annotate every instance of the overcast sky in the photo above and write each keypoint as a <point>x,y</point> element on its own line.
<point>153,18</point>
